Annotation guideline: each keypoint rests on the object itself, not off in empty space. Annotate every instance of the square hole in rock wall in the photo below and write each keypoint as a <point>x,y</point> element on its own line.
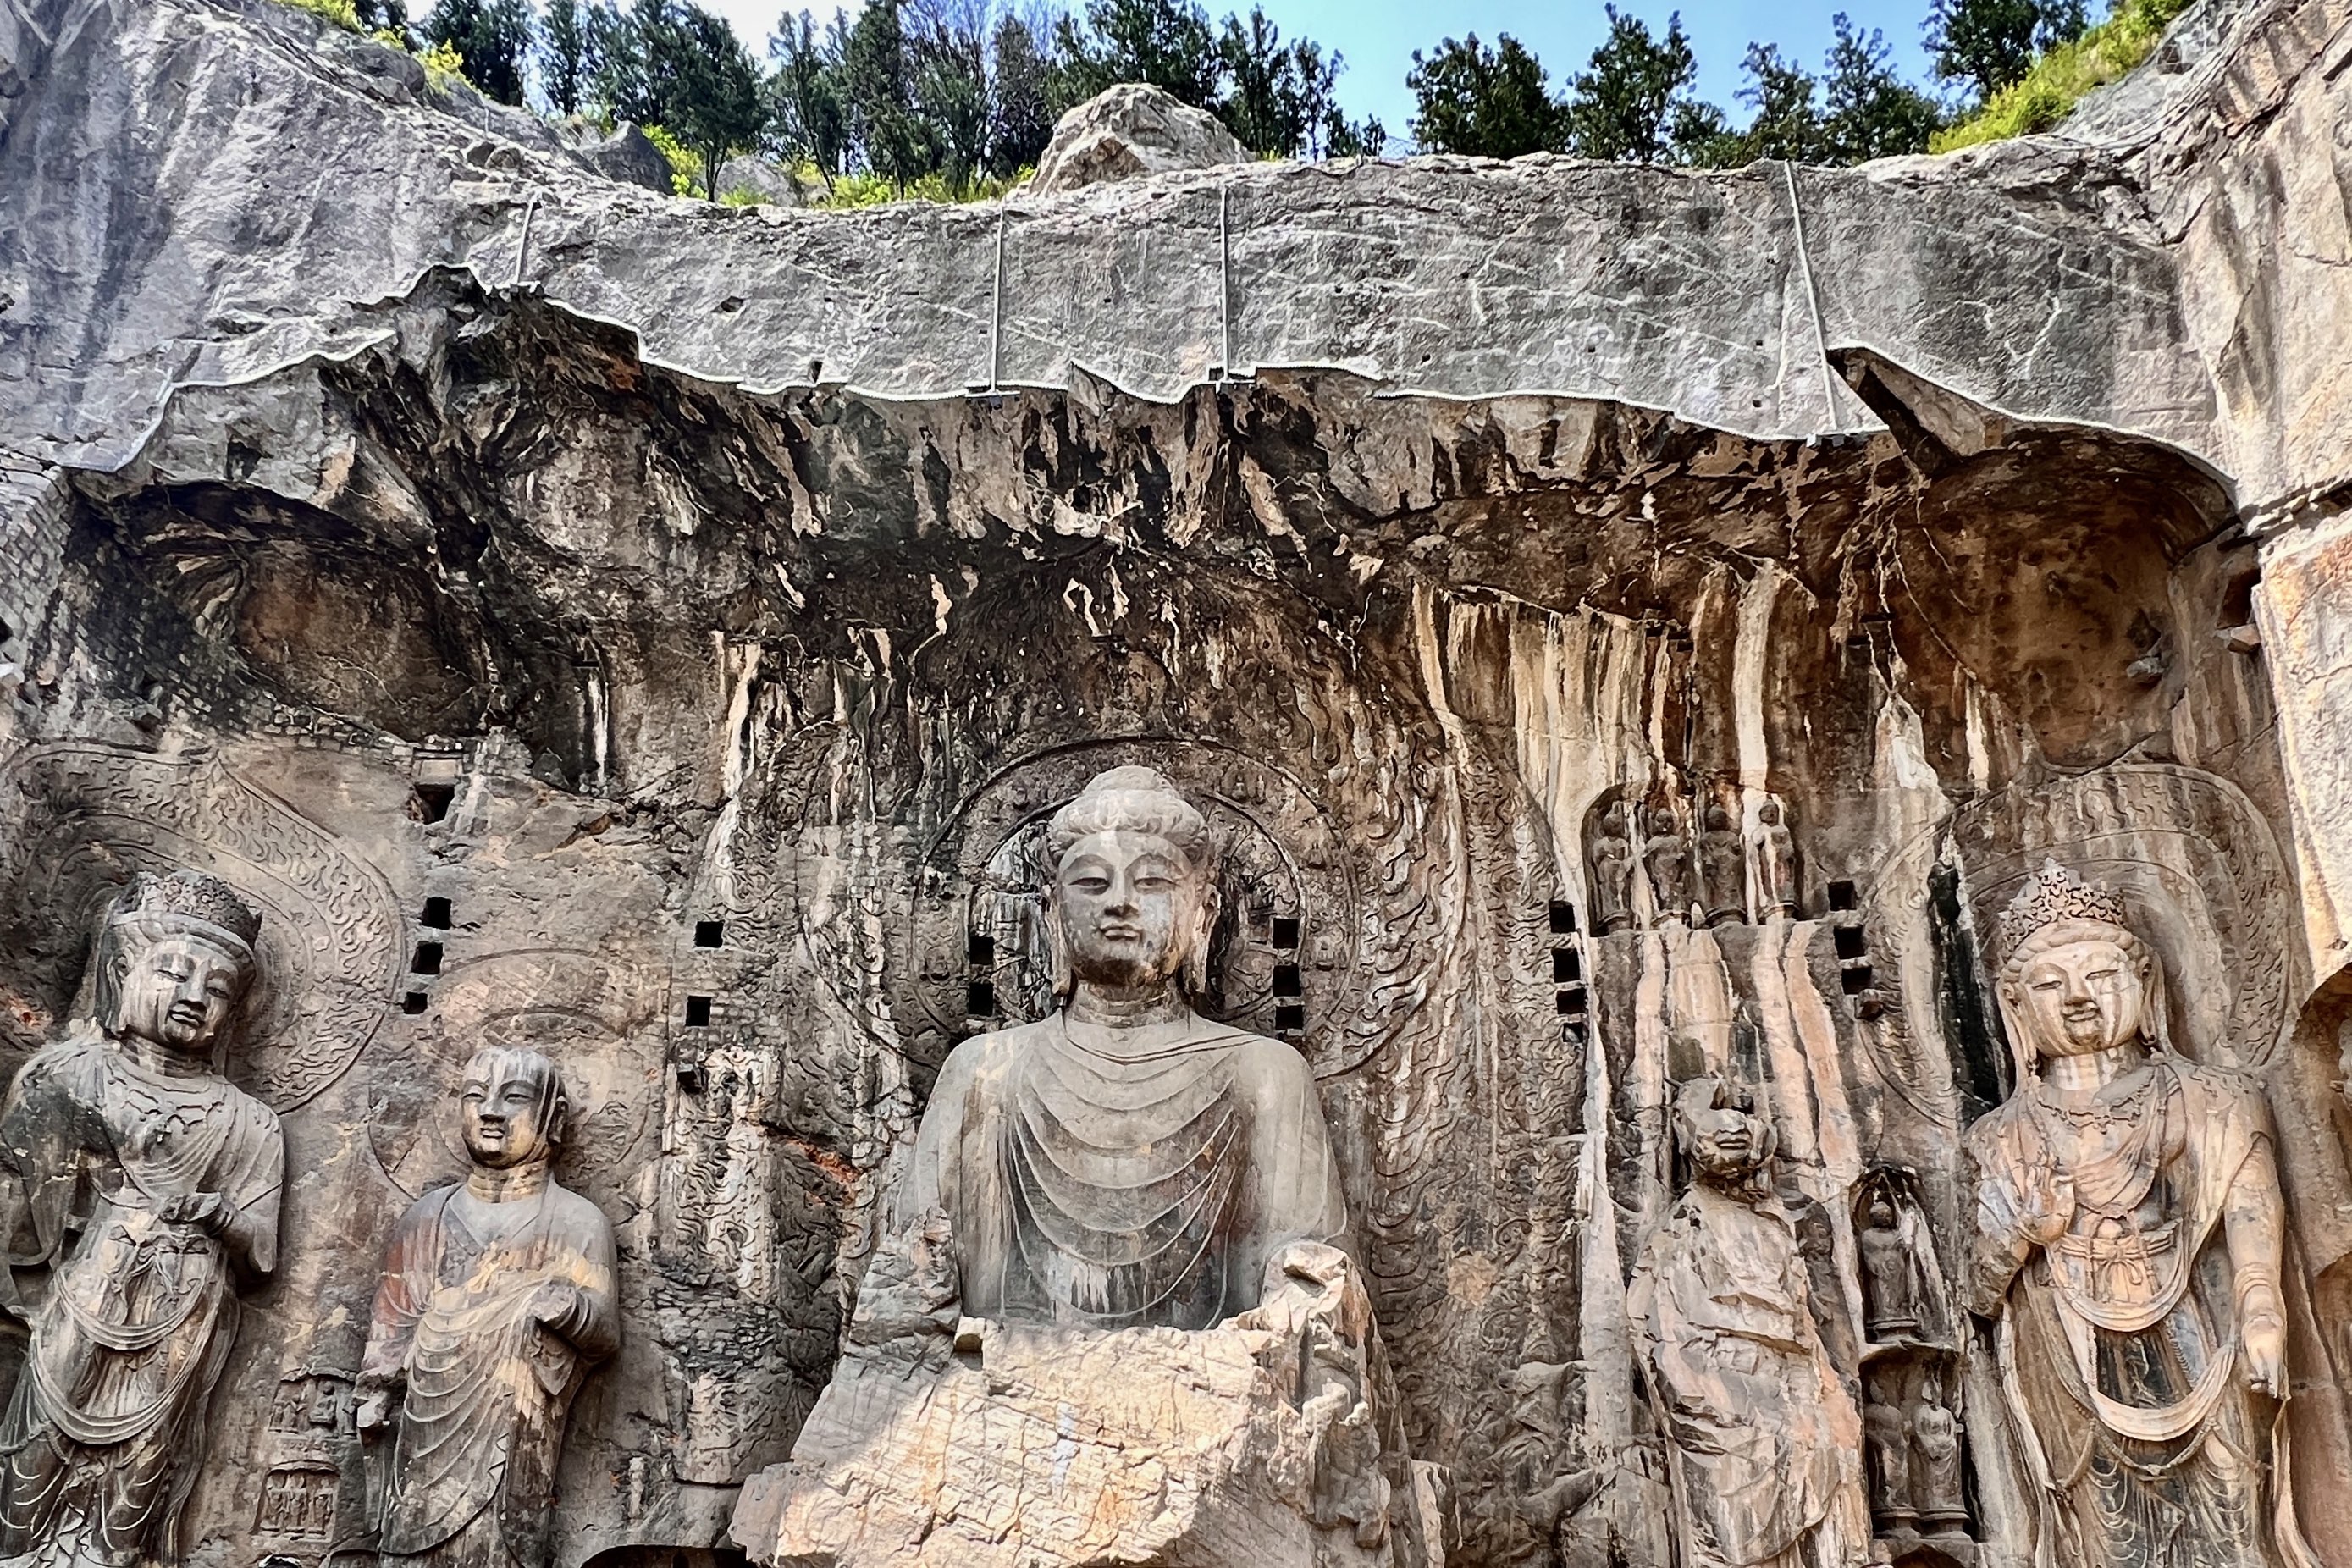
<point>711,933</point>
<point>1565,965</point>
<point>427,959</point>
<point>1286,930</point>
<point>979,1000</point>
<point>1289,1019</point>
<point>430,802</point>
<point>436,914</point>
<point>1843,896</point>
<point>1569,1001</point>
<point>1849,942</point>
<point>1563,918</point>
<point>1287,981</point>
<point>1856,980</point>
<point>698,1012</point>
<point>413,1003</point>
<point>978,949</point>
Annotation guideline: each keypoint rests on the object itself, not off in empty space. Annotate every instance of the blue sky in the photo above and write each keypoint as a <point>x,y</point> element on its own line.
<point>1378,36</point>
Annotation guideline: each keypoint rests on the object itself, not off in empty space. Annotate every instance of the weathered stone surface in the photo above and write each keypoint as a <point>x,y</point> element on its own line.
<point>671,663</point>
<point>772,183</point>
<point>1129,131</point>
<point>626,155</point>
<point>1259,1441</point>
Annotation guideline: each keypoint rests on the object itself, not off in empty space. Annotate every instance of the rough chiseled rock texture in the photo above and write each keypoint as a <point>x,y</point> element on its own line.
<point>1129,131</point>
<point>642,629</point>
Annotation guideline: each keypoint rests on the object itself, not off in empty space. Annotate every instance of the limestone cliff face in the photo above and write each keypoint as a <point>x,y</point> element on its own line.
<point>649,630</point>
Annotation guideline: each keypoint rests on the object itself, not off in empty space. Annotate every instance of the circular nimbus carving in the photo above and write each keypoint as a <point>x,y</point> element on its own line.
<point>600,1021</point>
<point>1283,958</point>
<point>331,932</point>
<point>2196,866</point>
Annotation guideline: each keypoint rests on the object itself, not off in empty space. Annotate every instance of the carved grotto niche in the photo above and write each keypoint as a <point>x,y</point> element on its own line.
<point>330,949</point>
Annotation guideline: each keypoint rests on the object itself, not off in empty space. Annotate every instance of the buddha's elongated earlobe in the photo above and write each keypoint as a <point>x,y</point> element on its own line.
<point>1057,948</point>
<point>1196,960</point>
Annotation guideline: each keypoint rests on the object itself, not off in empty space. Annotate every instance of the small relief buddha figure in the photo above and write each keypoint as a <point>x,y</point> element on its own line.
<point>1123,1162</point>
<point>1764,1440</point>
<point>143,1185</point>
<point>1774,849</point>
<point>1613,871</point>
<point>497,1302</point>
<point>1667,854</point>
<point>2129,1226</point>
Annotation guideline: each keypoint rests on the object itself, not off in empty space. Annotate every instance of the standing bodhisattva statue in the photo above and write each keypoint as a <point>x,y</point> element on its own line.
<point>145,1182</point>
<point>2129,1232</point>
<point>1125,1163</point>
<point>497,1302</point>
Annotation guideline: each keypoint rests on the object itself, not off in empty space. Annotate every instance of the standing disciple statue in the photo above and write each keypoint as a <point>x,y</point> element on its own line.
<point>1125,1163</point>
<point>2129,1226</point>
<point>1775,848</point>
<point>1763,1437</point>
<point>1892,1285</point>
<point>1667,854</point>
<point>1723,867</point>
<point>497,1302</point>
<point>147,1184</point>
<point>1613,871</point>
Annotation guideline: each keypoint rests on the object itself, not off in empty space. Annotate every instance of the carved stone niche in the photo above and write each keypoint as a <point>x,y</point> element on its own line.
<point>314,1492</point>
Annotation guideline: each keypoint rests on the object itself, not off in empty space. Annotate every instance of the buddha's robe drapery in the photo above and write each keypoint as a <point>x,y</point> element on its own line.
<point>105,1433</point>
<point>2120,1341</point>
<point>473,1472</point>
<point>1763,1437</point>
<point>1087,1188</point>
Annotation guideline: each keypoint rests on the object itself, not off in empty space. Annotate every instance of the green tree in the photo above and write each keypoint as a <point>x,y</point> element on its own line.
<point>1788,122</point>
<point>493,37</point>
<point>567,60</point>
<point>1020,97</point>
<point>1491,104</point>
<point>878,92</point>
<point>950,62</point>
<point>620,46</point>
<point>1166,42</point>
<point>1261,104</point>
<point>806,116</point>
<point>1345,137</point>
<point>382,15</point>
<point>709,88</point>
<point>1869,110</point>
<point>1989,44</point>
<point>1634,102</point>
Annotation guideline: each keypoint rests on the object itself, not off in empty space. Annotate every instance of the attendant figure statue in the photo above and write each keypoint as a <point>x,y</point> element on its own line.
<point>1723,867</point>
<point>1124,1162</point>
<point>2129,1226</point>
<point>1775,849</point>
<point>1613,871</point>
<point>1763,1437</point>
<point>144,1183</point>
<point>1667,854</point>
<point>1887,1437</point>
<point>496,1303</point>
<point>1892,1288</point>
<point>1936,1439</point>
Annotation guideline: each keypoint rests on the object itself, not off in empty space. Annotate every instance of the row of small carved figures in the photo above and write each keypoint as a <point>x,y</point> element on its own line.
<point>1732,873</point>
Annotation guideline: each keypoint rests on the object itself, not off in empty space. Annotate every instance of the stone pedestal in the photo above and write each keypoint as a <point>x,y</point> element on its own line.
<point>1029,1446</point>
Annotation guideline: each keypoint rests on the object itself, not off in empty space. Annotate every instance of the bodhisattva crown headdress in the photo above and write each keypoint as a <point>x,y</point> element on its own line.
<point>191,900</point>
<point>2054,894</point>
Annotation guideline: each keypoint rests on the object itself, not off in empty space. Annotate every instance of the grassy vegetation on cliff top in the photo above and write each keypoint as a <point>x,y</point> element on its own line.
<point>2062,77</point>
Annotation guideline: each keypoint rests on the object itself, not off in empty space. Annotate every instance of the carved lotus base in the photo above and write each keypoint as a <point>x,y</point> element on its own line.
<point>1035,1446</point>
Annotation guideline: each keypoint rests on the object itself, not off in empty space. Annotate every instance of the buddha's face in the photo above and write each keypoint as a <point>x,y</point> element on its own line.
<point>2079,997</point>
<point>1726,1141</point>
<point>504,1108</point>
<point>178,990</point>
<point>1132,908</point>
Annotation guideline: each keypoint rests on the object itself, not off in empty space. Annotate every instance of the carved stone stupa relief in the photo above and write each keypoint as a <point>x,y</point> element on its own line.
<point>2128,1236</point>
<point>497,1300</point>
<point>148,1185</point>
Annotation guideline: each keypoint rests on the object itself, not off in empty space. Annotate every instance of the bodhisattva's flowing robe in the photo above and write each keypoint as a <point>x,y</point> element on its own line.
<point>1765,1439</point>
<point>106,1431</point>
<point>2120,1341</point>
<point>472,1480</point>
<point>1086,1189</point>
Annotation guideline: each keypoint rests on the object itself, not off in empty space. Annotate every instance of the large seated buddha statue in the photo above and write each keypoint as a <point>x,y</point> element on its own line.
<point>1114,1313</point>
<point>1124,1162</point>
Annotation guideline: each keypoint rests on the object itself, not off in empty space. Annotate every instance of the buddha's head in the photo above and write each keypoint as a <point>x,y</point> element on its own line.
<point>1718,1132</point>
<point>1133,893</point>
<point>511,1107</point>
<point>175,964</point>
<point>2076,979</point>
